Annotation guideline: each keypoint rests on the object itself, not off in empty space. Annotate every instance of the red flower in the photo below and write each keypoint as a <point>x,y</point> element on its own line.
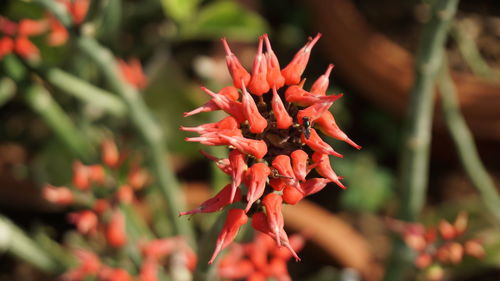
<point>272,136</point>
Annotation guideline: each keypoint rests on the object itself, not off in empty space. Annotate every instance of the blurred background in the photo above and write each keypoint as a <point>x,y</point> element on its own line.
<point>373,45</point>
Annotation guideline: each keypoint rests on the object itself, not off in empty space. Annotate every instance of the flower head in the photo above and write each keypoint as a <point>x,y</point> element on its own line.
<point>271,132</point>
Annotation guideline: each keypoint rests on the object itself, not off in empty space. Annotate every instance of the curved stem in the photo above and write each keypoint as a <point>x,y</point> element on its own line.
<point>466,147</point>
<point>40,100</point>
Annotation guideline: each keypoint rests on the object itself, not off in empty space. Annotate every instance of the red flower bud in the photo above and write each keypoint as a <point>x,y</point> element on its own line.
<point>274,77</point>
<point>222,164</point>
<point>292,195</point>
<point>85,221</point>
<point>237,162</point>
<point>321,85</point>
<point>229,92</point>
<point>6,46</point>
<point>237,71</point>
<point>317,144</point>
<point>474,248</point>
<point>313,185</point>
<point>26,49</point>
<point>256,148</point>
<point>447,230</point>
<point>296,67</point>
<point>132,73</point>
<point>216,203</point>
<point>125,194</point>
<point>283,119</point>
<point>260,223</point>
<point>325,169</point>
<point>110,155</point>
<point>58,34</point>
<point>258,84</point>
<point>149,270</point>
<point>257,123</point>
<point>315,111</point>
<point>256,177</point>
<point>81,175</point>
<point>231,107</point>
<point>235,219</point>
<point>299,164</point>
<point>115,232</point>
<point>326,123</point>
<point>272,202</point>
<point>58,195</point>
<point>29,27</point>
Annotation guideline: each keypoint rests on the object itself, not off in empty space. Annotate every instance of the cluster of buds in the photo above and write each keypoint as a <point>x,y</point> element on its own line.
<point>156,254</point>
<point>259,260</point>
<point>271,131</point>
<point>438,246</point>
<point>14,36</point>
<point>101,198</point>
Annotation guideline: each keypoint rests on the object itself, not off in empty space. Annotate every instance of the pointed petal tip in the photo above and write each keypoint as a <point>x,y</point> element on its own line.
<point>329,69</point>
<point>226,46</point>
<point>353,144</point>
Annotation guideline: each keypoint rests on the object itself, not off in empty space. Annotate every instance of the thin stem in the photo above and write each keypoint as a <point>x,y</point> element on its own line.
<point>147,128</point>
<point>464,142</point>
<point>40,100</point>
<point>16,242</point>
<point>414,165</point>
<point>84,91</point>
<point>470,52</point>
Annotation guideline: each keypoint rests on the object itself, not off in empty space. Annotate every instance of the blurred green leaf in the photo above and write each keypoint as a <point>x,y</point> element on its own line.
<point>180,10</point>
<point>369,185</point>
<point>13,67</point>
<point>225,19</point>
<point>7,90</point>
<point>40,100</point>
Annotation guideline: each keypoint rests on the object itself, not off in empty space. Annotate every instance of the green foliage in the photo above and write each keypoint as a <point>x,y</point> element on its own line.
<point>180,10</point>
<point>224,19</point>
<point>368,185</point>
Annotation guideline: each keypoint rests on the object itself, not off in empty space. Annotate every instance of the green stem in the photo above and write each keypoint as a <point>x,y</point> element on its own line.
<point>415,157</point>
<point>470,52</point>
<point>16,242</point>
<point>147,128</point>
<point>466,147</point>
<point>415,154</point>
<point>86,92</point>
<point>42,102</point>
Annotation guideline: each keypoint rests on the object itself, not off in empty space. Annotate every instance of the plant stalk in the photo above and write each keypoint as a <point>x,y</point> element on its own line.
<point>414,165</point>
<point>465,145</point>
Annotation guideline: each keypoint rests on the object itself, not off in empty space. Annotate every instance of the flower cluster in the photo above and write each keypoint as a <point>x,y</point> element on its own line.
<point>104,200</point>
<point>14,36</point>
<point>438,246</point>
<point>271,131</point>
<point>259,260</point>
